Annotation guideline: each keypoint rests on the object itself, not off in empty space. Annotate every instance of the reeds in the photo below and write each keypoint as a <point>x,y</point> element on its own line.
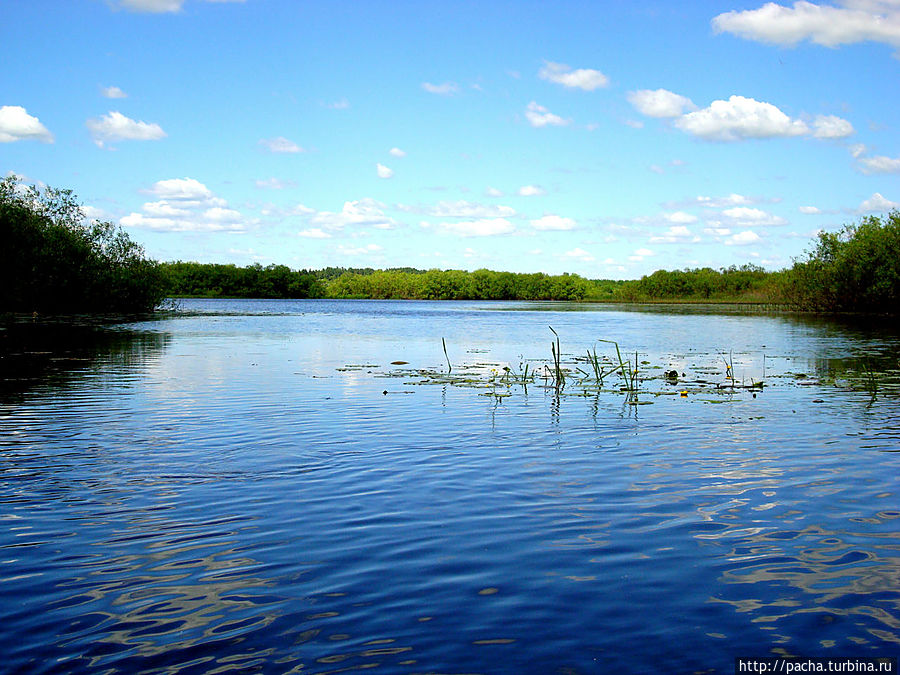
<point>559,377</point>
<point>449,367</point>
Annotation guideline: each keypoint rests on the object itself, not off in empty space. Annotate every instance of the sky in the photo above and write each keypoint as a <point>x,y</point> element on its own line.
<point>606,138</point>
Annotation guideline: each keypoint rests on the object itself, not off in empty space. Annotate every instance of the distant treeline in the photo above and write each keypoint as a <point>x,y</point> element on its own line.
<point>186,279</point>
<point>734,284</point>
<point>53,261</point>
<point>854,270</point>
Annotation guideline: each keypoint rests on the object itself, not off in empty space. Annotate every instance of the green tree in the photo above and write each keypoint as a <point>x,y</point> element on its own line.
<point>54,260</point>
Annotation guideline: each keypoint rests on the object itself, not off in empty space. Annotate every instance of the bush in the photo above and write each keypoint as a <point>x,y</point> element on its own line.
<point>854,270</point>
<point>53,260</point>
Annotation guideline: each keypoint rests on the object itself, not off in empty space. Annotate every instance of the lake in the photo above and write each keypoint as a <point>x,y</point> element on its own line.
<point>319,487</point>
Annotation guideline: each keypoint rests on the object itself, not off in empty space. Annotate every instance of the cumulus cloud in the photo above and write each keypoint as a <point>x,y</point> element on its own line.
<point>359,250</point>
<point>830,26</point>
<point>113,92</point>
<point>443,89</point>
<point>554,222</point>
<point>680,217</point>
<point>358,213</point>
<point>640,254</point>
<point>181,189</point>
<point>185,205</point>
<point>582,78</point>
<point>660,103</point>
<point>17,125</point>
<point>152,6</point>
<point>484,227</point>
<point>114,126</point>
<point>733,199</point>
<point>280,144</point>
<point>396,152</point>
<point>877,202</point>
<point>580,254</point>
<point>531,191</point>
<point>157,6</point>
<point>493,192</point>
<point>744,238</point>
<point>461,209</point>
<point>809,210</point>
<point>880,164</point>
<point>750,216</point>
<point>538,116</point>
<point>831,126</point>
<point>314,233</point>
<point>275,184</point>
<point>675,234</point>
<point>383,171</point>
<point>740,118</point>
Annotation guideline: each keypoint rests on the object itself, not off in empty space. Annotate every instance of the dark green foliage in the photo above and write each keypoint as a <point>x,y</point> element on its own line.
<point>745,283</point>
<point>53,261</point>
<point>854,270</point>
<point>230,281</point>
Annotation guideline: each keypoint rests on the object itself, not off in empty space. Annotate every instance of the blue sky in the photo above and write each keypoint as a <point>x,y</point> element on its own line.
<point>608,139</point>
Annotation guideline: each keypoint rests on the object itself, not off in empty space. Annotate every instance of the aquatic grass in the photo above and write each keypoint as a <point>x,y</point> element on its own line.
<point>556,351</point>
<point>449,367</point>
<point>870,381</point>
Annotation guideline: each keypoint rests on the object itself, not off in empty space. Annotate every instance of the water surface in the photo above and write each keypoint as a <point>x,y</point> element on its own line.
<point>254,485</point>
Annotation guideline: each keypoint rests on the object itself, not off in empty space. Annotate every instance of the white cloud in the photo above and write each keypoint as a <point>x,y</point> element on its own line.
<point>660,103</point>
<point>719,202</point>
<point>484,227</point>
<point>280,144</point>
<point>274,184</point>
<point>493,192</point>
<point>164,209</point>
<point>359,213</point>
<point>680,217</point>
<point>383,171</point>
<point>443,89</point>
<point>831,126</point>
<point>113,92</point>
<point>114,126</point>
<point>17,125</point>
<point>219,214</point>
<point>580,254</point>
<point>539,116</point>
<point>744,238</point>
<point>461,209</point>
<point>157,6</point>
<point>872,20</point>
<point>878,203</point>
<point>185,205</point>
<point>809,210</point>
<point>314,233</point>
<point>553,222</point>
<point>359,250</point>
<point>880,164</point>
<point>152,6</point>
<point>582,78</point>
<point>396,152</point>
<point>180,188</point>
<point>342,104</point>
<point>675,234</point>
<point>748,216</point>
<point>740,118</point>
<point>531,191</point>
<point>640,254</point>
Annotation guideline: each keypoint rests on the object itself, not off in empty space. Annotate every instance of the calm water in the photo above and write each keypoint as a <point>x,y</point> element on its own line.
<point>254,486</point>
